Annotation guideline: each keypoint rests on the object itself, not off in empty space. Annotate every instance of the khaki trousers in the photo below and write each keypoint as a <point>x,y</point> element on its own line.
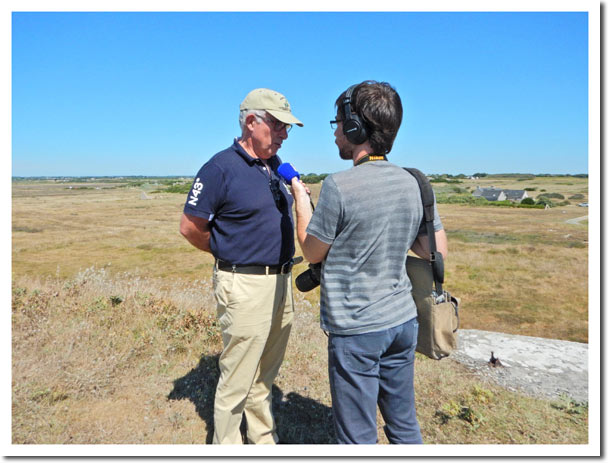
<point>255,313</point>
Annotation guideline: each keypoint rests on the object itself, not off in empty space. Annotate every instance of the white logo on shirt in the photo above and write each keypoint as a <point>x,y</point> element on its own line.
<point>195,191</point>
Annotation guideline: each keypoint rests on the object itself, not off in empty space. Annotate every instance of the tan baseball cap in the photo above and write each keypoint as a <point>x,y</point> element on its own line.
<point>272,102</point>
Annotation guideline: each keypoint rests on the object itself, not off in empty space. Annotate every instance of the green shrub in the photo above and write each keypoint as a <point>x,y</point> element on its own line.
<point>530,189</point>
<point>505,203</point>
<point>527,201</point>
<point>577,196</point>
<point>182,188</point>
<point>551,195</point>
<point>445,198</point>
<point>544,201</point>
<point>511,204</point>
<point>313,178</point>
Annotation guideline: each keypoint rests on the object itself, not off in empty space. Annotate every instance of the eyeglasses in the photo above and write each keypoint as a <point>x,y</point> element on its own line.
<point>277,125</point>
<point>275,189</point>
<point>334,124</point>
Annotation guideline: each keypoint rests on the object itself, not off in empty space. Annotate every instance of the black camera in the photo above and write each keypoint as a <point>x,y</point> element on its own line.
<point>309,279</point>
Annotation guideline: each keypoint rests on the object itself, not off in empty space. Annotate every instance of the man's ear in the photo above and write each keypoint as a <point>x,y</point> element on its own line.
<point>250,120</point>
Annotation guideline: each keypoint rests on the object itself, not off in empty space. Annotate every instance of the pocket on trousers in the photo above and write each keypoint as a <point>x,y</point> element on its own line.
<point>222,289</point>
<point>406,339</point>
<point>289,305</point>
<point>362,362</point>
<point>411,338</point>
<point>222,285</point>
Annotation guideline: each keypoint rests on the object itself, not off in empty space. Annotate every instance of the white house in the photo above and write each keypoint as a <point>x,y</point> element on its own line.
<point>495,194</point>
<point>516,195</point>
<point>491,194</point>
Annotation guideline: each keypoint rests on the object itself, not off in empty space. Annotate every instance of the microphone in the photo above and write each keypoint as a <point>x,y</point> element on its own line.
<point>287,172</point>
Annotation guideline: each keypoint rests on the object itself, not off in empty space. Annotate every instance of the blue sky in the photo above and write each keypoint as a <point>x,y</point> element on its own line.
<point>158,93</point>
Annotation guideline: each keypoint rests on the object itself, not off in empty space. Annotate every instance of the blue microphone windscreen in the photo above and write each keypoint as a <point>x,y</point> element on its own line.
<point>287,171</point>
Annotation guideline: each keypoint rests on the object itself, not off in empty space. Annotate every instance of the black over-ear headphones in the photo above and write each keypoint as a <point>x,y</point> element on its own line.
<point>352,126</point>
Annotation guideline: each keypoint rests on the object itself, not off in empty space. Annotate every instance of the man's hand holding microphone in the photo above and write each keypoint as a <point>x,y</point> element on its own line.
<point>289,174</point>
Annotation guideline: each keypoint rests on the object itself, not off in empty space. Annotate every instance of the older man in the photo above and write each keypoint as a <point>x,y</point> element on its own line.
<point>239,210</point>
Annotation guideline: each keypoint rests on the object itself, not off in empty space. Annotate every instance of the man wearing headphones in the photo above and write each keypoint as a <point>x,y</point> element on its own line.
<point>366,220</point>
<point>239,210</point>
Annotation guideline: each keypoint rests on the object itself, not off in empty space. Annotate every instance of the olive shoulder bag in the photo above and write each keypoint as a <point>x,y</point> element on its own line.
<point>438,318</point>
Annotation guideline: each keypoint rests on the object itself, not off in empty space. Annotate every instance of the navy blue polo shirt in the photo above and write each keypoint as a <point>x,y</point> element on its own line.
<point>248,208</point>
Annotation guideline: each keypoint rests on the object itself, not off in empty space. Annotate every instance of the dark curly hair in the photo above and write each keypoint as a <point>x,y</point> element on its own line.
<point>379,106</point>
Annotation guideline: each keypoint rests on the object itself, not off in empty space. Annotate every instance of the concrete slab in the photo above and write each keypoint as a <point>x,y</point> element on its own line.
<point>542,367</point>
<point>577,219</point>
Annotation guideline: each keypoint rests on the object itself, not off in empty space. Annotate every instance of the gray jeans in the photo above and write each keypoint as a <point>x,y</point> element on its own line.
<point>369,369</point>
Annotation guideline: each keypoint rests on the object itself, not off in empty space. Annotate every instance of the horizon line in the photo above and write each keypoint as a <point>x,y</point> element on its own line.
<point>544,174</point>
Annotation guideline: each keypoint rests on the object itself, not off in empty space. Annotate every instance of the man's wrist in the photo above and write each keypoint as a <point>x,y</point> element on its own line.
<point>301,196</point>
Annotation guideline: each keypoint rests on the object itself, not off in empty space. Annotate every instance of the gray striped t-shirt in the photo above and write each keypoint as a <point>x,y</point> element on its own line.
<point>370,214</point>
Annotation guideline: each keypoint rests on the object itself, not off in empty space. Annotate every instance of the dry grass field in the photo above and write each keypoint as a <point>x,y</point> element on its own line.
<point>115,339</point>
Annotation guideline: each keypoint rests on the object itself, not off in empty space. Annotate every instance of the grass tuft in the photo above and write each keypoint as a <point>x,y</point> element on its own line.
<point>26,229</point>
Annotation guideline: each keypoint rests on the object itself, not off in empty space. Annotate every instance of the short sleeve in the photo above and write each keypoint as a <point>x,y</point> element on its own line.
<point>207,192</point>
<point>326,219</point>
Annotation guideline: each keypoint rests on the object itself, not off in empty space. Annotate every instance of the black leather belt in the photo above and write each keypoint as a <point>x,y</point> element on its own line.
<point>256,269</point>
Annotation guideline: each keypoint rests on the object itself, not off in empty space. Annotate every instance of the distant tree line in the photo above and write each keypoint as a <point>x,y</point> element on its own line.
<point>508,175</point>
<point>444,179</point>
<point>313,178</point>
<point>183,187</point>
<point>564,175</point>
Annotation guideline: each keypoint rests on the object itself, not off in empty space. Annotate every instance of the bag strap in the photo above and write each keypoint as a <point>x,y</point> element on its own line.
<point>428,203</point>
